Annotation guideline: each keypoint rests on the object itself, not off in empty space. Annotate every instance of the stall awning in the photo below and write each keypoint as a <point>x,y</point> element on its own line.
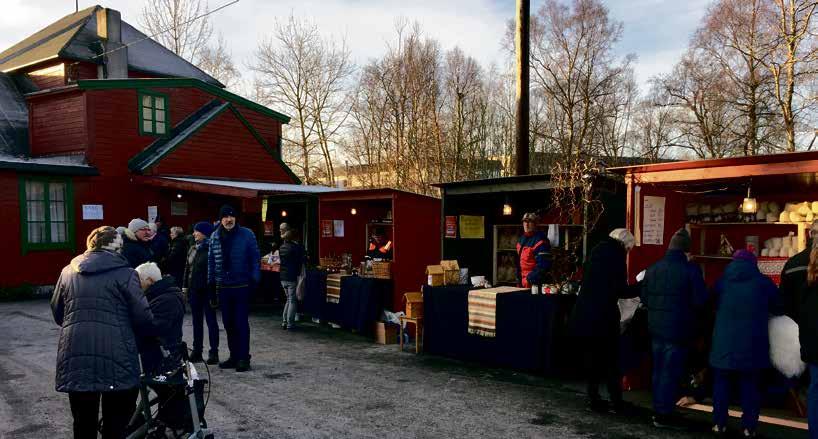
<point>232,188</point>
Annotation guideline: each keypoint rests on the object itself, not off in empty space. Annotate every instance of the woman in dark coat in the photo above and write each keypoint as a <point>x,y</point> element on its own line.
<point>595,320</point>
<point>168,308</point>
<point>174,263</point>
<point>99,305</point>
<point>745,298</point>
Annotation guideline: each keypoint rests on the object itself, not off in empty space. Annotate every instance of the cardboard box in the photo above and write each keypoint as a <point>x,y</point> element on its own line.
<point>414,305</point>
<point>451,272</point>
<point>434,275</point>
<point>386,333</point>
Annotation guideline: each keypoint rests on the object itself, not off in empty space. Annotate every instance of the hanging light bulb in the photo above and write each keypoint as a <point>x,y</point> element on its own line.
<point>283,213</point>
<point>179,196</point>
<point>749,204</point>
<point>506,209</point>
<point>354,211</point>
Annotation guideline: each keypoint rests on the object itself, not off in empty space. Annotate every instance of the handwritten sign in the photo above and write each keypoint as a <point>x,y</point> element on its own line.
<point>92,211</point>
<point>338,228</point>
<point>653,229</point>
<point>326,228</point>
<point>472,227</point>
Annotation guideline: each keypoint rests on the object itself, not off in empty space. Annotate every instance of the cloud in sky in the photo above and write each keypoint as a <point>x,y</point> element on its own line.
<point>657,31</point>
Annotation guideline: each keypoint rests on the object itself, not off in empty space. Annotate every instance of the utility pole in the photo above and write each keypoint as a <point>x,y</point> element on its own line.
<point>522,43</point>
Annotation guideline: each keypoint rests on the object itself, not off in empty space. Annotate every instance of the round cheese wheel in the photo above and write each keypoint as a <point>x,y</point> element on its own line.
<point>784,217</point>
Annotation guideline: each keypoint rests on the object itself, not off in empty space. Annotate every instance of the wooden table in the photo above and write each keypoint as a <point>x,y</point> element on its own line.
<point>418,322</point>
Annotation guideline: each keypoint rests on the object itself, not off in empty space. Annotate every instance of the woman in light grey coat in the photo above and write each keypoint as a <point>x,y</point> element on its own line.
<point>98,303</point>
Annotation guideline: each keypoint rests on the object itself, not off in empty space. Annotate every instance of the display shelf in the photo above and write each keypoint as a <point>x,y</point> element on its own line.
<point>712,257</point>
<point>698,225</point>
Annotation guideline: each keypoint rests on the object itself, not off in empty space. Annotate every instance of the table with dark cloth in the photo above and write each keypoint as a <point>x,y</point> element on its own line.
<point>531,329</point>
<point>269,289</point>
<point>361,304</point>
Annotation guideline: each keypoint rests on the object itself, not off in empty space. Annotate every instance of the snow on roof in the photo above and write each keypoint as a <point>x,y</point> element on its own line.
<point>62,160</point>
<point>260,186</point>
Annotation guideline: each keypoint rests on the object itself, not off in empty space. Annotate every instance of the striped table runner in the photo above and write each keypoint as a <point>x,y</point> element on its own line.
<point>483,310</point>
<point>334,288</point>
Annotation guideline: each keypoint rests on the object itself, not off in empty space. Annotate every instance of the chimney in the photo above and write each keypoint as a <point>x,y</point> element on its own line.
<point>109,30</point>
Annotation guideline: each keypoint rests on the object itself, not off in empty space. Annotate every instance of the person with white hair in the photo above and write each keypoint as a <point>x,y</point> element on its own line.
<point>673,292</point>
<point>595,319</point>
<point>168,308</point>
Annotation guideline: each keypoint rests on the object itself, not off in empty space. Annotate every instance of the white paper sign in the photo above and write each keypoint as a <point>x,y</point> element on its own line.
<point>653,228</point>
<point>153,212</point>
<point>92,211</point>
<point>338,228</point>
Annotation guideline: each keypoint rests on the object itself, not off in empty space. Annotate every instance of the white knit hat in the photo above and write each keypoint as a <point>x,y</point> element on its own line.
<point>137,224</point>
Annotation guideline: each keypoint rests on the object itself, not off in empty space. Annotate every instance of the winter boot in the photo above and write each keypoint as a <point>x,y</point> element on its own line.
<point>212,358</point>
<point>243,366</point>
<point>230,363</point>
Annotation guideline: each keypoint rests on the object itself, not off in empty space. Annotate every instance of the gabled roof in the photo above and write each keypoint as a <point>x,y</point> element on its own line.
<point>182,132</point>
<point>74,37</point>
<point>13,118</point>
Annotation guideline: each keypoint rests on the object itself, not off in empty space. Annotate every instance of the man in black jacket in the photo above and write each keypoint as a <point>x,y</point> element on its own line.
<point>673,290</point>
<point>292,260</point>
<point>595,319</point>
<point>136,245</point>
<point>794,277</point>
<point>99,306</point>
<point>201,297</point>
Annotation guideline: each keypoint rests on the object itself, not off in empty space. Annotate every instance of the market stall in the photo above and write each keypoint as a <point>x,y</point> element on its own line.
<point>761,203</point>
<point>409,225</point>
<point>482,222</point>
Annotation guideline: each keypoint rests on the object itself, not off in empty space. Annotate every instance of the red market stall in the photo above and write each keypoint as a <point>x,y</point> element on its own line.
<point>764,203</point>
<point>410,221</point>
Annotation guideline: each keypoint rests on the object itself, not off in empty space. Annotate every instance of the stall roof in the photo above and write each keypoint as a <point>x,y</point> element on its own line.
<point>516,183</point>
<point>724,168</point>
<point>246,189</point>
<point>368,194</point>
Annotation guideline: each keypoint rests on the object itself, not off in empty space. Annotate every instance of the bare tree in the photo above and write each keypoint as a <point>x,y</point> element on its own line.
<point>306,75</point>
<point>793,59</point>
<point>174,24</point>
<point>217,62</point>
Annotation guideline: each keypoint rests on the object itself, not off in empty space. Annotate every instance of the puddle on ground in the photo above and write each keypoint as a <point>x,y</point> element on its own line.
<point>544,418</point>
<point>277,376</point>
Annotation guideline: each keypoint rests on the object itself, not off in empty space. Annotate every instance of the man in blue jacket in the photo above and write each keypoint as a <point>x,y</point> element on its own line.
<point>233,264</point>
<point>672,290</point>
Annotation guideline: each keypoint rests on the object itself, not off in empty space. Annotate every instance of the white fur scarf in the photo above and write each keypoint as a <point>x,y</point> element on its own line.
<point>785,349</point>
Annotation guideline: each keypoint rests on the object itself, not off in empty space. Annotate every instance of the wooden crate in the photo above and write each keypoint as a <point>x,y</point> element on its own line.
<point>434,275</point>
<point>414,305</point>
<point>382,269</point>
<point>386,333</point>
<point>451,272</point>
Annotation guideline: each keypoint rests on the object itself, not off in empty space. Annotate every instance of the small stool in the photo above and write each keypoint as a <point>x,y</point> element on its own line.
<point>418,322</point>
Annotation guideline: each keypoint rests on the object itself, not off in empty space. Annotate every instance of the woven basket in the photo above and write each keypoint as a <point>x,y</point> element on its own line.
<point>382,269</point>
<point>329,262</point>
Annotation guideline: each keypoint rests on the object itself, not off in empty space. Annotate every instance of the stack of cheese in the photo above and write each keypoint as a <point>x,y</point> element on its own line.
<point>768,211</point>
<point>785,247</point>
<point>799,212</point>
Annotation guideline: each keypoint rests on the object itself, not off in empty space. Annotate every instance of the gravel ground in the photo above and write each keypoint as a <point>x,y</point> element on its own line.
<point>325,383</point>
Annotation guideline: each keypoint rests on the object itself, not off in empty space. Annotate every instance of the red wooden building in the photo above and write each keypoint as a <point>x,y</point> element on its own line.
<point>99,124</point>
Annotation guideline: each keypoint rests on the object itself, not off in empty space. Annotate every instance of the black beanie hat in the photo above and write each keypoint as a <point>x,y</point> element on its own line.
<point>227,210</point>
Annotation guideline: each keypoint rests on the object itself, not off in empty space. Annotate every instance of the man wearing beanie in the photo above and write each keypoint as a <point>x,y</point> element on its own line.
<point>673,290</point>
<point>200,295</point>
<point>137,243</point>
<point>99,305</point>
<point>234,270</point>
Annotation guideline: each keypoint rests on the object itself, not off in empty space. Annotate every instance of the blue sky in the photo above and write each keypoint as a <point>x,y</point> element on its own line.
<point>657,31</point>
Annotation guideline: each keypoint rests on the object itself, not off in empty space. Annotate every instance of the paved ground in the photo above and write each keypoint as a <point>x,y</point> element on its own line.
<point>324,383</point>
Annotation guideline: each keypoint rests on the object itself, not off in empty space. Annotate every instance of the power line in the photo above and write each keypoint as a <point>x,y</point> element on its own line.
<point>165,30</point>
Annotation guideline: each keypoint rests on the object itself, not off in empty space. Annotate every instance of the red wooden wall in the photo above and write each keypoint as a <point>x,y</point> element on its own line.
<point>57,123</point>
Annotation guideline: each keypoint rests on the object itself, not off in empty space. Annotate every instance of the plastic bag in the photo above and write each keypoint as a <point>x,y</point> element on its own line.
<point>392,317</point>
<point>627,308</point>
<point>299,287</point>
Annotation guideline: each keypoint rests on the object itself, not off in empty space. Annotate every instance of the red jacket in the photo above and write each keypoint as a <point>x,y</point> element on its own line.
<point>534,250</point>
